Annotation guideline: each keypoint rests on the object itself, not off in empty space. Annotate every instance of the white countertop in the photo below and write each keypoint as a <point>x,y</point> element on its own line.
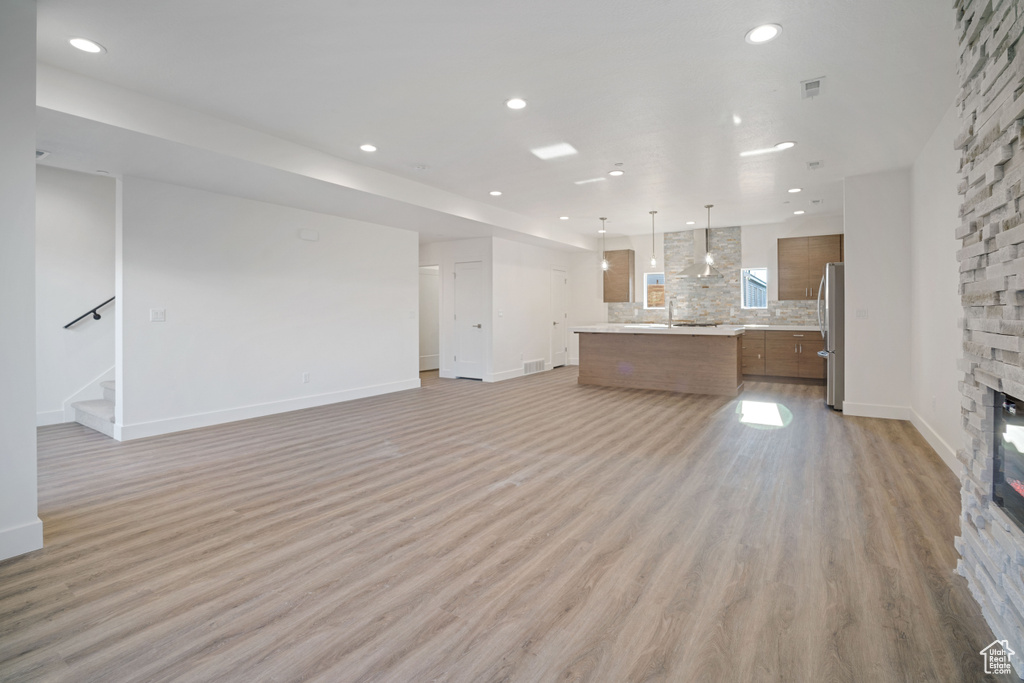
<point>662,328</point>
<point>784,328</point>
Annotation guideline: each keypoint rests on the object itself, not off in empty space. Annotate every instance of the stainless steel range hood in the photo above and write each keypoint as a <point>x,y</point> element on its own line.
<point>704,263</point>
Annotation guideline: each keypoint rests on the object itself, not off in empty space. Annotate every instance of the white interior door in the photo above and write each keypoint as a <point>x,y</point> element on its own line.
<point>559,318</point>
<point>469,320</point>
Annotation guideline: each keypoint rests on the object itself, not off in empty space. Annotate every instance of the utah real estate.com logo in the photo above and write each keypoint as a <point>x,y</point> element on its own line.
<point>997,657</point>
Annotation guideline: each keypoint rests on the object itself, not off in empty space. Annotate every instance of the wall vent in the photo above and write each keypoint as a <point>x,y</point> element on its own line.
<point>815,165</point>
<point>811,88</point>
<point>533,366</point>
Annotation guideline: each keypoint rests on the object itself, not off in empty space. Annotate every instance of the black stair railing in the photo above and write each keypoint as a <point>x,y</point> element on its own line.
<point>94,313</point>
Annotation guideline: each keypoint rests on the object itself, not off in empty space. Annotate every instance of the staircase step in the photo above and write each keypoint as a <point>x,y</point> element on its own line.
<point>98,415</point>
<point>109,391</point>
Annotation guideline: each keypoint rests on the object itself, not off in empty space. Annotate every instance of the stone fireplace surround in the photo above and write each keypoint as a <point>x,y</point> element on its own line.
<point>991,109</point>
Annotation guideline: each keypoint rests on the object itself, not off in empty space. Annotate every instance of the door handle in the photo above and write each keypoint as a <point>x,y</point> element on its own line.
<point>555,322</point>
<point>478,326</point>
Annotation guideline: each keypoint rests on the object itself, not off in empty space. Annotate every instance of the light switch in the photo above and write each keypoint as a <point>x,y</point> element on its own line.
<point>157,315</point>
<point>862,313</point>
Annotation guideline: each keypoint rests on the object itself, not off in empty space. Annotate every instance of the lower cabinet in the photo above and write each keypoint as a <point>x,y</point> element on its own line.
<point>753,352</point>
<point>783,354</point>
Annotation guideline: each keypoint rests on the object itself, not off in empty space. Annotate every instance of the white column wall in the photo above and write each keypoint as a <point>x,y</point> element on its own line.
<point>935,336</point>
<point>250,307</point>
<point>20,527</point>
<point>878,286</point>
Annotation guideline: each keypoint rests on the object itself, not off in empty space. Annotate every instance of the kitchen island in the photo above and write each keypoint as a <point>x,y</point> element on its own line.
<point>691,360</point>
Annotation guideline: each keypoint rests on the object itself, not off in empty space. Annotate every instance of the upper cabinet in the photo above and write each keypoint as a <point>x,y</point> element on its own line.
<point>618,279</point>
<point>802,263</point>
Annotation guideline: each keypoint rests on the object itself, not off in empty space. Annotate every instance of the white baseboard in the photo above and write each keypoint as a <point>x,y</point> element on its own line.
<point>430,362</point>
<point>52,417</point>
<point>574,361</point>
<point>22,539</point>
<point>874,410</point>
<point>502,376</point>
<point>178,424</point>
<point>945,451</point>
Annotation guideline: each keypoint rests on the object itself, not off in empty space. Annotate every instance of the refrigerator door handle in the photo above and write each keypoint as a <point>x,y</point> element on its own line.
<point>821,322</point>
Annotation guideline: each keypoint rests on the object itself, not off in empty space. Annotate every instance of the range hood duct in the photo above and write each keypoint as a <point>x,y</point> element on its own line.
<point>702,267</point>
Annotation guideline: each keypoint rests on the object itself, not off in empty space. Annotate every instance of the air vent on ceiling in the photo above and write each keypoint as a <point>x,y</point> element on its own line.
<point>811,88</point>
<point>40,154</point>
<point>533,366</point>
<point>815,165</point>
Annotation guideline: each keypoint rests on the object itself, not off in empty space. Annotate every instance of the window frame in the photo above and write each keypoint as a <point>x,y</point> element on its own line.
<point>743,292</point>
<point>665,293</point>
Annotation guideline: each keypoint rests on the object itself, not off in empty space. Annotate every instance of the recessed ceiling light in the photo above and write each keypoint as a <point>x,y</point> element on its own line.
<point>763,34</point>
<point>736,120</point>
<point>785,145</point>
<point>794,190</point>
<point>562,149</point>
<point>86,45</point>
<point>588,180</point>
<point>516,103</point>
<point>617,172</point>
<point>798,213</point>
<point>563,218</point>
<point>601,231</point>
<point>691,222</point>
<point>368,148</point>
<point>495,193</point>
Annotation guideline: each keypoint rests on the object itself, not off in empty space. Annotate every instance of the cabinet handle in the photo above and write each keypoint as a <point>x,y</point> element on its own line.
<point>801,348</point>
<point>798,335</point>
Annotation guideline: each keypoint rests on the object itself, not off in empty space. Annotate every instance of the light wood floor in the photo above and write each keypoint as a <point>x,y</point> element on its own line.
<point>531,530</point>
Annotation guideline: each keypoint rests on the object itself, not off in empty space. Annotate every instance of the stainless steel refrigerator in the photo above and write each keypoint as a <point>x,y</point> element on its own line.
<point>830,320</point>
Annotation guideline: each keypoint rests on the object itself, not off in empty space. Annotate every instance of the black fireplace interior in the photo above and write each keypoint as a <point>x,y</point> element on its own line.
<point>1008,483</point>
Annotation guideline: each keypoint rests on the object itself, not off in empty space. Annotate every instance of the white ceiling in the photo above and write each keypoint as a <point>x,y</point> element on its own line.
<point>651,84</point>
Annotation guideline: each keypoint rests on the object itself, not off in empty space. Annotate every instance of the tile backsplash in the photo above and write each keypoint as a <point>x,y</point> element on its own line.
<point>711,300</point>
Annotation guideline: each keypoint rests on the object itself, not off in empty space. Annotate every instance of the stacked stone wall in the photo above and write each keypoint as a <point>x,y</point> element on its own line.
<point>991,258</point>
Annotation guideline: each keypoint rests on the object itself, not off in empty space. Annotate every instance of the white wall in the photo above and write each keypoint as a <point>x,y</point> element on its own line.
<point>20,527</point>
<point>760,243</point>
<point>586,296</point>
<point>74,272</point>
<point>522,305</point>
<point>430,311</point>
<point>446,255</point>
<point>250,307</point>
<point>935,335</point>
<point>877,256</point>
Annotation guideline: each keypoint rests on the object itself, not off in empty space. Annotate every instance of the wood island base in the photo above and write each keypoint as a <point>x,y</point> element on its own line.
<point>689,364</point>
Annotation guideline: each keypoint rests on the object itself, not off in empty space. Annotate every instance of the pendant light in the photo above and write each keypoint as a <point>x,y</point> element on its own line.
<point>604,250</point>
<point>654,261</point>
<point>703,268</point>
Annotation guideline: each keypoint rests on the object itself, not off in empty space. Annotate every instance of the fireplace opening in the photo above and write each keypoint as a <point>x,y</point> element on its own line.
<point>1008,480</point>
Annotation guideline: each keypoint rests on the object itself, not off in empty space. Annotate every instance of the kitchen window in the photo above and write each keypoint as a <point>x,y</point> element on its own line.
<point>654,290</point>
<point>754,287</point>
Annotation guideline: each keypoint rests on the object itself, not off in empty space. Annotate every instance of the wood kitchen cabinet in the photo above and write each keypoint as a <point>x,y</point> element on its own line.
<point>753,352</point>
<point>794,354</point>
<point>619,278</point>
<point>802,263</point>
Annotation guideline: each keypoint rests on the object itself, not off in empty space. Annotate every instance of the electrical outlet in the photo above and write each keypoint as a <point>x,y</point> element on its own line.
<point>157,315</point>
<point>862,313</point>
<point>305,378</point>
